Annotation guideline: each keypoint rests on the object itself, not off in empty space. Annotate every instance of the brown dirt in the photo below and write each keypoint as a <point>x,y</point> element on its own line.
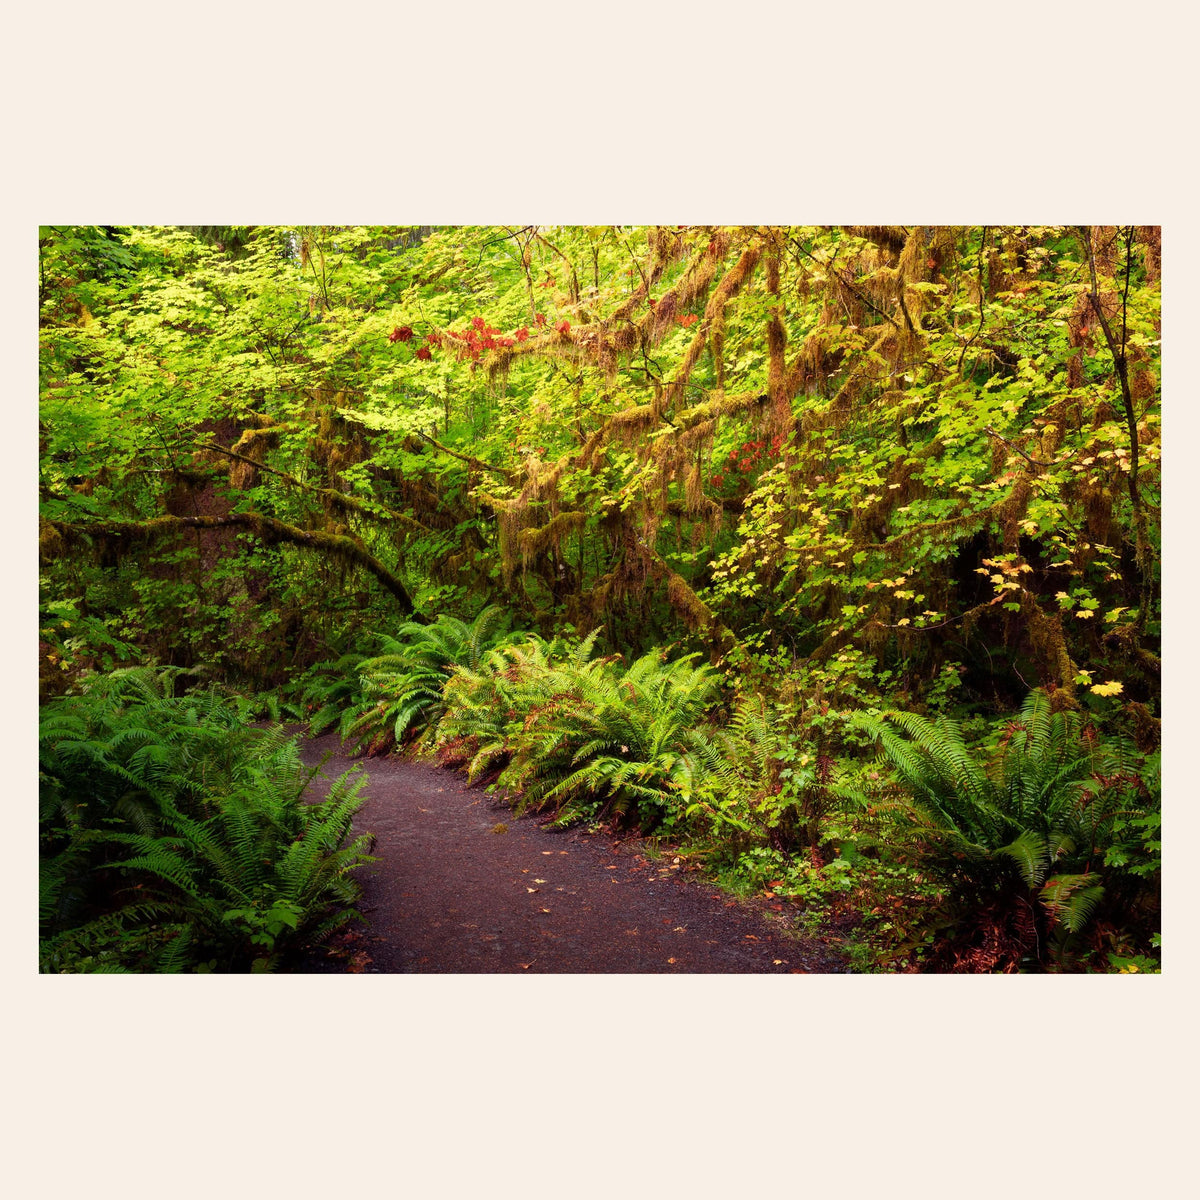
<point>453,894</point>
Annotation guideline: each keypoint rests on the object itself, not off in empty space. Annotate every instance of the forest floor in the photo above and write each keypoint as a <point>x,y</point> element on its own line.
<point>464,886</point>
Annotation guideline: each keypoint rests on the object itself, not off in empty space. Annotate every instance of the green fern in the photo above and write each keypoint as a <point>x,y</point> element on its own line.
<point>164,815</point>
<point>1040,813</point>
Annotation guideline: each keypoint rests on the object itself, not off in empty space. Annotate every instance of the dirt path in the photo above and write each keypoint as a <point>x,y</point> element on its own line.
<point>454,892</point>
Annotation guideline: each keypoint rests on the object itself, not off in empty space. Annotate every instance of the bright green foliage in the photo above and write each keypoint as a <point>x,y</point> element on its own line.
<point>911,441</point>
<point>173,837</point>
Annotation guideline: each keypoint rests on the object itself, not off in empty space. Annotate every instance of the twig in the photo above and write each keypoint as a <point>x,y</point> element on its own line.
<point>1033,462</point>
<point>467,458</point>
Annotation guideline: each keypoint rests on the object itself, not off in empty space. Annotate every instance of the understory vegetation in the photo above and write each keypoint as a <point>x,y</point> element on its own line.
<point>827,557</point>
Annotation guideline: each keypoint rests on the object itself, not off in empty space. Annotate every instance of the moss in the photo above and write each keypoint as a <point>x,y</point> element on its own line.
<point>125,535</point>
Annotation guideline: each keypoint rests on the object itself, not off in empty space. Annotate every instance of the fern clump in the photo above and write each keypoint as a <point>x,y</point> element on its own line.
<point>582,735</point>
<point>175,837</point>
<point>380,701</point>
<point>1040,834</point>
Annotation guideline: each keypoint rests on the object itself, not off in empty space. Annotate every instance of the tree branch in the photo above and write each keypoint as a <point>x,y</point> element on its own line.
<point>268,528</point>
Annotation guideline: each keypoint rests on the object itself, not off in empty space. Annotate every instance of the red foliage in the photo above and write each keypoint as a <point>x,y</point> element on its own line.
<point>540,318</point>
<point>563,327</point>
<point>522,333</point>
<point>402,333</point>
<point>424,354</point>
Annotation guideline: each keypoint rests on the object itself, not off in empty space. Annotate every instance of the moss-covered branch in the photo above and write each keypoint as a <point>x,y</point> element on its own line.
<point>130,533</point>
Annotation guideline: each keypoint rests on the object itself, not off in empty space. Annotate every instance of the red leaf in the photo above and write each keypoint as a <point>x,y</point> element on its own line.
<point>423,354</point>
<point>563,327</point>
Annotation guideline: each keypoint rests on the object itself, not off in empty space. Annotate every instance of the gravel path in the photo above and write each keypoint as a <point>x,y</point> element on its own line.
<point>462,886</point>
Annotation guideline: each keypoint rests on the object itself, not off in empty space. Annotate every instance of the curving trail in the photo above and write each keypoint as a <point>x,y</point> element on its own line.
<point>451,894</point>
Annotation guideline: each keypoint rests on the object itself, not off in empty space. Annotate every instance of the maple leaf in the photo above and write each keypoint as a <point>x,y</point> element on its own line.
<point>423,354</point>
<point>522,334</point>
<point>540,318</point>
<point>563,327</point>
<point>1111,688</point>
<point>402,333</point>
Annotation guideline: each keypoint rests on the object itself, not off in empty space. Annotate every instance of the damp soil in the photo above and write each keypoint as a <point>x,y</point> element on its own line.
<point>463,886</point>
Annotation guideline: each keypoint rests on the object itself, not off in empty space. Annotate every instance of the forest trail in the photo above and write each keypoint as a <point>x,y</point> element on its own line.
<point>452,894</point>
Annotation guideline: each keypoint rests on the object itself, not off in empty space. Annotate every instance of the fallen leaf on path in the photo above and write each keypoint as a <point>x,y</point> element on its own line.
<point>679,929</point>
<point>564,852</point>
<point>547,851</point>
<point>526,966</point>
<point>612,868</point>
<point>751,937</point>
<point>533,889</point>
<point>777,962</point>
<point>539,881</point>
<point>545,910</point>
<point>670,960</point>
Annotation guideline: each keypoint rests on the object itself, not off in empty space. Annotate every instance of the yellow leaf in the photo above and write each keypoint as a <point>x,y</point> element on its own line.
<point>1084,615</point>
<point>1111,688</point>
